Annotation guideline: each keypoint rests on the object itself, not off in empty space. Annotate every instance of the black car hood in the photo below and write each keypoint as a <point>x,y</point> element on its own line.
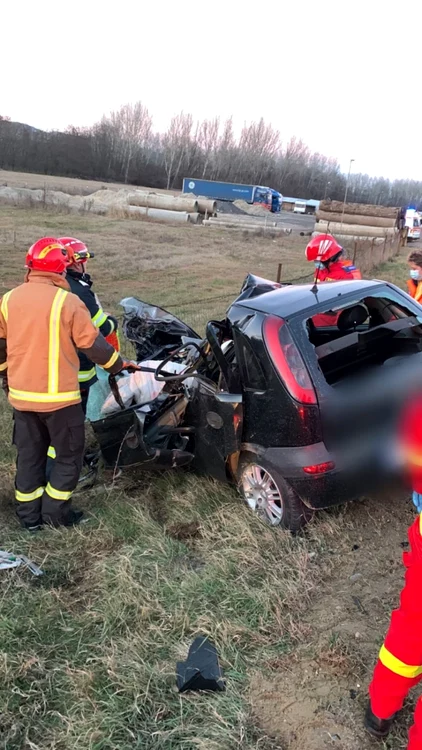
<point>153,331</point>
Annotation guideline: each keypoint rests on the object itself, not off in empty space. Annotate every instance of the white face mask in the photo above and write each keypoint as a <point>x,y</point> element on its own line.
<point>319,265</point>
<point>415,274</point>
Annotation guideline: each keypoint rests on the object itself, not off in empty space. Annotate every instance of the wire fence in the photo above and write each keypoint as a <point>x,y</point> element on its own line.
<point>366,255</point>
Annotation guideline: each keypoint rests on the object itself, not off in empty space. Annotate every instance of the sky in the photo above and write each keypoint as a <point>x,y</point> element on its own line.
<point>344,77</point>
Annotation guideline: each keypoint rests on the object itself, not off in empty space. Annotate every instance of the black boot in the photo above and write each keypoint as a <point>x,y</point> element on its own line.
<point>375,726</point>
<point>74,517</point>
<point>32,529</point>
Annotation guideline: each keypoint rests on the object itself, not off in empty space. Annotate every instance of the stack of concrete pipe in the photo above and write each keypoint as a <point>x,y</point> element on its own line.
<point>174,203</point>
<point>356,220</point>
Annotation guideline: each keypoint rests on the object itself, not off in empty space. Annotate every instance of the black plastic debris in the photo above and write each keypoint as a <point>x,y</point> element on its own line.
<point>153,331</point>
<point>201,670</point>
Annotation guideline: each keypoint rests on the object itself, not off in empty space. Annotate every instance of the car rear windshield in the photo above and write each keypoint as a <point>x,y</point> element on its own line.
<point>364,333</point>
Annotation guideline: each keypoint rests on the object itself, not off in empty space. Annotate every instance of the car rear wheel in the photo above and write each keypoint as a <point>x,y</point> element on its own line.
<point>269,496</point>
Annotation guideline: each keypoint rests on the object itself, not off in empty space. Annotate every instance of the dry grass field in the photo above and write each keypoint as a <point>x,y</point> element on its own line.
<point>88,652</point>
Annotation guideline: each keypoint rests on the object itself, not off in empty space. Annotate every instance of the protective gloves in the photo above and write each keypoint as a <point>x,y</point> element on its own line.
<point>417,501</point>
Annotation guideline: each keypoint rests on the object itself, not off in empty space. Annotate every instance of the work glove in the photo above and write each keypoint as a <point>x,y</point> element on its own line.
<point>417,501</point>
<point>129,367</point>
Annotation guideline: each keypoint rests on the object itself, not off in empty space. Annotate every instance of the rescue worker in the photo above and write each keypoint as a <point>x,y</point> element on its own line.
<point>41,327</point>
<point>414,284</point>
<point>399,665</point>
<point>325,252</point>
<point>80,284</point>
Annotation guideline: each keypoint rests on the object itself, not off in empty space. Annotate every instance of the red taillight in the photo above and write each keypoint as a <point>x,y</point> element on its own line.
<point>287,360</point>
<point>319,468</point>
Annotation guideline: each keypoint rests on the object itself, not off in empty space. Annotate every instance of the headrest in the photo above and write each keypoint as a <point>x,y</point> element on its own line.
<point>352,317</point>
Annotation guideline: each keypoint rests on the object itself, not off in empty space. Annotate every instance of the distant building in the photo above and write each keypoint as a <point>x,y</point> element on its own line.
<point>300,205</point>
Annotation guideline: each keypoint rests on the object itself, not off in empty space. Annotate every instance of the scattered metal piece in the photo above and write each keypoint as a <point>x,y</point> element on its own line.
<point>9,560</point>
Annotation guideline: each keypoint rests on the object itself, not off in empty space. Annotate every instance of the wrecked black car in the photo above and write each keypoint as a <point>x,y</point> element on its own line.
<point>293,397</point>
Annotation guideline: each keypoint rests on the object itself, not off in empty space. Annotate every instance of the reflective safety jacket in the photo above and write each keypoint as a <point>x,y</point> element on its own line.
<point>41,327</point>
<point>336,272</point>
<point>80,284</point>
<point>414,288</point>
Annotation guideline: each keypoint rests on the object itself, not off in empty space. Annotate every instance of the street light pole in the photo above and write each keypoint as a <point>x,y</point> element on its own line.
<point>326,189</point>
<point>345,193</point>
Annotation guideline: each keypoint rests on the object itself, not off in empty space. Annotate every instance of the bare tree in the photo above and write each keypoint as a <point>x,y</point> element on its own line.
<point>176,144</point>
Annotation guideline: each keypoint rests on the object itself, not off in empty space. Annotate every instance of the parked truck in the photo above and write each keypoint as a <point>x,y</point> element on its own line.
<point>231,191</point>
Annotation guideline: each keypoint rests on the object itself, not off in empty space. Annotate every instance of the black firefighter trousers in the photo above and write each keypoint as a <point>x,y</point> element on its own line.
<point>38,500</point>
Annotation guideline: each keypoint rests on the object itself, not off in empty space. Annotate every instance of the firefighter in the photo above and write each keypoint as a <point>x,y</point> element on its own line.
<point>399,665</point>
<point>414,284</point>
<point>41,327</point>
<point>325,252</point>
<point>80,284</point>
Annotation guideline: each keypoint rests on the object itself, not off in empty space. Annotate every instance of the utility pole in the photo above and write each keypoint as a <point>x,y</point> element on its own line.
<point>345,193</point>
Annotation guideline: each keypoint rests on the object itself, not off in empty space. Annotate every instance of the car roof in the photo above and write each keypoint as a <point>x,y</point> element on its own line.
<point>290,300</point>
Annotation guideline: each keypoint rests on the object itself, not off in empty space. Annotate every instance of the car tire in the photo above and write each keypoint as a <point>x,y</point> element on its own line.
<point>268,495</point>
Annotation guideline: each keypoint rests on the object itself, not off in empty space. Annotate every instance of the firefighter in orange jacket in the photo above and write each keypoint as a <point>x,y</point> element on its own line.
<point>42,325</point>
<point>414,284</point>
<point>399,665</point>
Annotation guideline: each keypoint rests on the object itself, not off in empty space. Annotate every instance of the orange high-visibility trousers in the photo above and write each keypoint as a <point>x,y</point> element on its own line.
<point>399,666</point>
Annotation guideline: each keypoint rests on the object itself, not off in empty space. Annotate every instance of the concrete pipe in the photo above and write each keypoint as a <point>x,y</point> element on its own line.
<point>158,214</point>
<point>356,230</point>
<point>195,218</point>
<point>247,227</point>
<point>243,220</point>
<point>359,238</point>
<point>207,206</point>
<point>364,221</point>
<point>163,201</point>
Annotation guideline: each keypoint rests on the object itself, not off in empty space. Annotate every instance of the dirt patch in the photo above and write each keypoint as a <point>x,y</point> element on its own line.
<point>315,696</point>
<point>303,708</point>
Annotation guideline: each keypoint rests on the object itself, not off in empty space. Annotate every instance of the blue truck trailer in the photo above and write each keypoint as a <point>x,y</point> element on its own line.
<point>232,191</point>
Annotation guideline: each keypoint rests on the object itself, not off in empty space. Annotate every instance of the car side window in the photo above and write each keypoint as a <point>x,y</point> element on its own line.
<point>254,376</point>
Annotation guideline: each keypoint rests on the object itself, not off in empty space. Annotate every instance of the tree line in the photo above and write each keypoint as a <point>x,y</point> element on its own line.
<point>124,147</point>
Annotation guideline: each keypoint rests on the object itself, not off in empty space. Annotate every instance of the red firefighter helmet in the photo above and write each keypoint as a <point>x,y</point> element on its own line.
<point>48,255</point>
<point>76,249</point>
<point>322,248</point>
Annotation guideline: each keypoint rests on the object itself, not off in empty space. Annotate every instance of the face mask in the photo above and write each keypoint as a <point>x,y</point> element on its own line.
<point>415,274</point>
<point>319,265</point>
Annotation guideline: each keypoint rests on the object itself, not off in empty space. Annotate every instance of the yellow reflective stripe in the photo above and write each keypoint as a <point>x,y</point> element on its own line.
<point>413,458</point>
<point>3,367</point>
<point>27,497</point>
<point>85,375</point>
<point>5,305</point>
<point>44,398</point>
<point>99,318</point>
<point>54,341</point>
<point>57,494</point>
<point>113,327</point>
<point>51,453</point>
<point>49,248</point>
<point>114,357</point>
<point>397,666</point>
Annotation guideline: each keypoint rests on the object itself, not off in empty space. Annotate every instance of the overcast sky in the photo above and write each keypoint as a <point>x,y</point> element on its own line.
<point>343,76</point>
